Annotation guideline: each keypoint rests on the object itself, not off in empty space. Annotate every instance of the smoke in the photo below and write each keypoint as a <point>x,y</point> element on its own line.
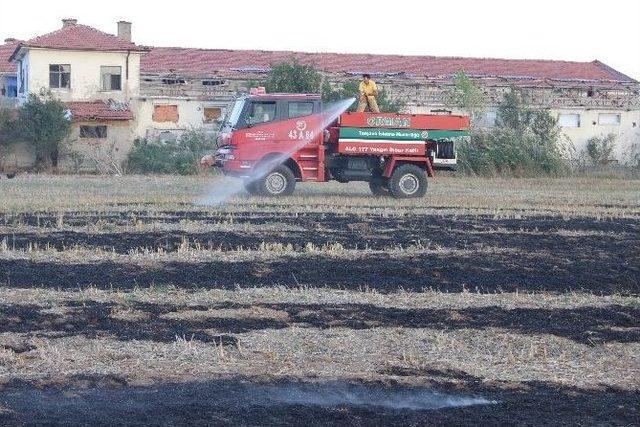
<point>337,394</point>
<point>228,187</point>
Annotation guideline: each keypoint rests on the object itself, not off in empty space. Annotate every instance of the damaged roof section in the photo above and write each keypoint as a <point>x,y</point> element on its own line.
<point>227,63</point>
<point>99,111</point>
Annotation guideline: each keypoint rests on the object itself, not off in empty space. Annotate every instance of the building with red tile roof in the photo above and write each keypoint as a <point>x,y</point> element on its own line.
<point>74,36</point>
<point>8,79</point>
<point>6,50</point>
<point>96,74</point>
<point>130,90</point>
<point>230,63</point>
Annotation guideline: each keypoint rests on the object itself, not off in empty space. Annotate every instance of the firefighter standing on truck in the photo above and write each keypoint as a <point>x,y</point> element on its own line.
<point>368,93</point>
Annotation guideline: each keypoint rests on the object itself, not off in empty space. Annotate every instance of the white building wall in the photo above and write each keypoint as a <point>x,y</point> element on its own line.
<point>85,73</point>
<point>190,115</point>
<point>627,132</point>
<point>97,153</point>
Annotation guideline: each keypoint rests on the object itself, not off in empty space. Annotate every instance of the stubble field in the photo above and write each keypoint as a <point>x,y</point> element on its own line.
<point>491,301</point>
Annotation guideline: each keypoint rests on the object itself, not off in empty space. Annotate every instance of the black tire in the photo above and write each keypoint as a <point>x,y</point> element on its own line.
<point>279,182</point>
<point>379,187</point>
<point>251,188</point>
<point>408,181</point>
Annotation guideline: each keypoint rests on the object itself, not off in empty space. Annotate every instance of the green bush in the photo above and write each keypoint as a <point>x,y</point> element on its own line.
<point>524,142</point>
<point>504,151</point>
<point>181,155</point>
<point>600,148</point>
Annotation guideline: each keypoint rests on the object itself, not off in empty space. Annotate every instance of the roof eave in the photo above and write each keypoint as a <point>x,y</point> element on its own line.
<point>615,72</point>
<point>17,51</point>
<point>24,46</point>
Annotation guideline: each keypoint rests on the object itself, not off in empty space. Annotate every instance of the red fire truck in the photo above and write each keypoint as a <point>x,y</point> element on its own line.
<point>274,140</point>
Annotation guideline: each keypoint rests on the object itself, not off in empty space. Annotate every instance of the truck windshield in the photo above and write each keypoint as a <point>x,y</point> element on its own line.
<point>231,121</point>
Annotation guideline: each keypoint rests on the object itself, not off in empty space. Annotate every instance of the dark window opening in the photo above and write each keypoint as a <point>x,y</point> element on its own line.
<point>212,82</point>
<point>60,76</point>
<point>590,93</point>
<point>93,131</point>
<point>173,81</point>
<point>299,109</point>
<point>111,78</point>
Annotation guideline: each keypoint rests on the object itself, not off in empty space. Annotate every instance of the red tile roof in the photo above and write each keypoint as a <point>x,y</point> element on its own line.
<point>197,62</point>
<point>81,37</point>
<point>5,52</point>
<point>99,110</point>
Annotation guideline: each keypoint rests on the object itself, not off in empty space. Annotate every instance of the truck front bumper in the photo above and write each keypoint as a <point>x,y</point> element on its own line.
<point>231,166</point>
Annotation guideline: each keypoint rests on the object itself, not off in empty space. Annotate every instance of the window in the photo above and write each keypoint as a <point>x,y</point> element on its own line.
<point>609,119</point>
<point>569,120</point>
<point>299,109</point>
<point>93,131</point>
<point>60,76</point>
<point>111,78</point>
<point>173,81</point>
<point>262,112</point>
<point>211,114</point>
<point>209,82</point>
<point>165,113</point>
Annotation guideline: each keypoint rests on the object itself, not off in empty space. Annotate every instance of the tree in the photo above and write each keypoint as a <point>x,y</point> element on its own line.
<point>515,112</point>
<point>7,126</point>
<point>42,122</point>
<point>466,96</point>
<point>7,131</point>
<point>292,77</point>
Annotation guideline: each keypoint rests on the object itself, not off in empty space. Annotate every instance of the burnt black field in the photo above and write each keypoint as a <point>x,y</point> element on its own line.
<point>441,252</point>
<point>481,253</point>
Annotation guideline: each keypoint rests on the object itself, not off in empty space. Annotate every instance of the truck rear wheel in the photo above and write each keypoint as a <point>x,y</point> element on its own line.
<point>279,182</point>
<point>379,187</point>
<point>408,181</point>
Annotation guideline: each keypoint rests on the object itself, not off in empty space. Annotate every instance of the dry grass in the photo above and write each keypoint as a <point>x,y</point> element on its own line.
<point>563,196</point>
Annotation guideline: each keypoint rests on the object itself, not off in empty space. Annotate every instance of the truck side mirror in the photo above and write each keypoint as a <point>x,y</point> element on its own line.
<point>249,121</point>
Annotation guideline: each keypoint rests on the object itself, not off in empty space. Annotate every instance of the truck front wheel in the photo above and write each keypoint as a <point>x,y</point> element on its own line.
<point>408,181</point>
<point>278,182</point>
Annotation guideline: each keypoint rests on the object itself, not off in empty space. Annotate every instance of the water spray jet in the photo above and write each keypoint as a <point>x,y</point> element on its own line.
<point>230,187</point>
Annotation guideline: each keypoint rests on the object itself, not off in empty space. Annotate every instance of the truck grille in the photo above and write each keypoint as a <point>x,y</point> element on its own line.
<point>446,150</point>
